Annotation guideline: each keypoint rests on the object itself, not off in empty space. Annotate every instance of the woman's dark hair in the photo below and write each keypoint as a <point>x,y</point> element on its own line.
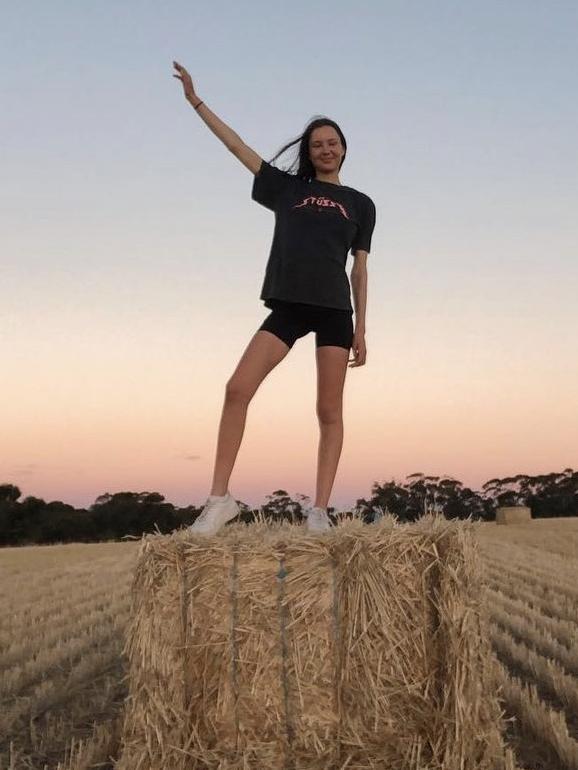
<point>306,169</point>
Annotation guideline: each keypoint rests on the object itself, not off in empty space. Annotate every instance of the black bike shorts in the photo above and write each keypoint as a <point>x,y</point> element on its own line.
<point>291,320</point>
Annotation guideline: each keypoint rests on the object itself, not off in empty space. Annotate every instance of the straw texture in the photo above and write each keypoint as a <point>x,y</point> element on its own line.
<point>266,646</point>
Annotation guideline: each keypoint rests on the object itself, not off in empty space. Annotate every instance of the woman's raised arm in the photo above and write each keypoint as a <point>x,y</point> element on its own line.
<point>230,139</point>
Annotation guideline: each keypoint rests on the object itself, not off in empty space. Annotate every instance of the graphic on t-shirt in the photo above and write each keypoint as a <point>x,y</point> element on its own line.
<point>321,200</point>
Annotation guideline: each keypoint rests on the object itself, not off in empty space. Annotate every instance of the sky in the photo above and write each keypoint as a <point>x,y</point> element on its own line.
<point>132,255</point>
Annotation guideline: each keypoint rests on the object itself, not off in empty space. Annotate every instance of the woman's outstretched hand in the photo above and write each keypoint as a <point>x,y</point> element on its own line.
<point>185,79</point>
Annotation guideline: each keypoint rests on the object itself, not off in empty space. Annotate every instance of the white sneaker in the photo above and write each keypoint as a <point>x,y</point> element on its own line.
<point>218,510</point>
<point>317,519</point>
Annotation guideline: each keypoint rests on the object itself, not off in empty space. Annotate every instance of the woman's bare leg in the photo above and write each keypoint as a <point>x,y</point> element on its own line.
<point>331,371</point>
<point>262,354</point>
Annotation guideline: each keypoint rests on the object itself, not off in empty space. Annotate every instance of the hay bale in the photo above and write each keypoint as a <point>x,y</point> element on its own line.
<point>266,646</point>
<point>513,514</point>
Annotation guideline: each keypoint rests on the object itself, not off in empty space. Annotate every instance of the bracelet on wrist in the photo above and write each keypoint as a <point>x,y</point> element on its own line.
<point>196,106</point>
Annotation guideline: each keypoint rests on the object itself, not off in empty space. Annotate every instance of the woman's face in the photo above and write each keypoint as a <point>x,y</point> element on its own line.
<point>325,149</point>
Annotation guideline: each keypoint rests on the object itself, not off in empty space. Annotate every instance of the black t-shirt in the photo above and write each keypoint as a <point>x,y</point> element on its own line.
<point>316,224</point>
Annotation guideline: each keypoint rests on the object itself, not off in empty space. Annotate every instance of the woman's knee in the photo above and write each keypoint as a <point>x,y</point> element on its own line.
<point>330,413</point>
<point>237,391</point>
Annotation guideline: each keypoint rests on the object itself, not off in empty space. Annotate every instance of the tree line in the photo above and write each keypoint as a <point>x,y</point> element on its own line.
<point>32,520</point>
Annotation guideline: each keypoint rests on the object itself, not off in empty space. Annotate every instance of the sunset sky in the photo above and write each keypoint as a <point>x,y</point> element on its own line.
<point>133,255</point>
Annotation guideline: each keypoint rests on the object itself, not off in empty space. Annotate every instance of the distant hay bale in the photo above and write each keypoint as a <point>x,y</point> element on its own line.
<point>513,514</point>
<point>266,647</point>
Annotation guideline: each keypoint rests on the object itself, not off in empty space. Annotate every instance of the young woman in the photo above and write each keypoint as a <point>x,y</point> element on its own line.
<point>317,221</point>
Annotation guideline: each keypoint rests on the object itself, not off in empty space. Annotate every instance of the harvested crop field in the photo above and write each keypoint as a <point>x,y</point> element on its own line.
<point>65,608</point>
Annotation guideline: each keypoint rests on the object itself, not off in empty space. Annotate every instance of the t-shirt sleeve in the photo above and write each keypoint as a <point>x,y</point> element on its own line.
<point>269,183</point>
<point>362,239</point>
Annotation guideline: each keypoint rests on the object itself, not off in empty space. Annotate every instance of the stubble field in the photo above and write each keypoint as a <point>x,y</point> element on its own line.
<point>63,611</point>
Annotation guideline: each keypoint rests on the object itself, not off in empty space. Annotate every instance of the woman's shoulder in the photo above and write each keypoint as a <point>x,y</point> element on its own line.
<point>267,167</point>
<point>365,199</point>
